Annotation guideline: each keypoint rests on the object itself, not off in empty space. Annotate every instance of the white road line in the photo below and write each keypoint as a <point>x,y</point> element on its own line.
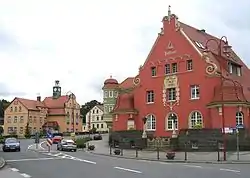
<point>40,145</point>
<point>32,159</point>
<point>87,161</point>
<point>229,170</point>
<point>14,169</point>
<point>129,170</point>
<point>193,166</point>
<point>25,175</point>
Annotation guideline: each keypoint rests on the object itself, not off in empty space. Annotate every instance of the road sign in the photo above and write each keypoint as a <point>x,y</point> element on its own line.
<point>239,126</point>
<point>49,139</point>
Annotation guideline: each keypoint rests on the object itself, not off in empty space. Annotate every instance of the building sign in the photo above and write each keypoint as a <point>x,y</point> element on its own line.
<point>170,82</point>
<point>170,49</point>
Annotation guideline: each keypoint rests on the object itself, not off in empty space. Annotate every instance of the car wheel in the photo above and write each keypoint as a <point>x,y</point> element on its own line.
<point>18,150</point>
<point>74,150</point>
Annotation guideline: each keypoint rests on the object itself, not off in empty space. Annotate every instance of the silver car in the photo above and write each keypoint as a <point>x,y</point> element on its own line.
<point>67,145</point>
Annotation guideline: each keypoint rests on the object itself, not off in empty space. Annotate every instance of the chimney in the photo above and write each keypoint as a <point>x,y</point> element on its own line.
<point>38,98</point>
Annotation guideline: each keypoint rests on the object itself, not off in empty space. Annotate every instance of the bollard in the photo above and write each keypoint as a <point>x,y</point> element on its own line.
<point>110,150</point>
<point>136,152</point>
<point>158,153</point>
<point>218,152</point>
<point>185,152</point>
<point>121,152</point>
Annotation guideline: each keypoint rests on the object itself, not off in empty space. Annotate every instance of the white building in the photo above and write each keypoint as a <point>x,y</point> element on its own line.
<point>94,119</point>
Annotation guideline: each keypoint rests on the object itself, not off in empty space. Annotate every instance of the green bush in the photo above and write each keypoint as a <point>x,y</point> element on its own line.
<point>81,142</point>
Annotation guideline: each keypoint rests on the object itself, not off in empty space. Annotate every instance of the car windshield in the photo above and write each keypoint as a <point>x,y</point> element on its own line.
<point>11,140</point>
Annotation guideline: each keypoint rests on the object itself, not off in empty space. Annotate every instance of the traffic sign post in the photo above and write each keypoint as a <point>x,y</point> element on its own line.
<point>49,140</point>
<point>237,140</point>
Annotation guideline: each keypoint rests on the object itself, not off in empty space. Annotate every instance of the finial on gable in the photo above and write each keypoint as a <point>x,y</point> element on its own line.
<point>169,13</point>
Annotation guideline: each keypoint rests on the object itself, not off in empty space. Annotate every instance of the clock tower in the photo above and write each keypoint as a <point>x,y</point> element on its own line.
<point>56,90</point>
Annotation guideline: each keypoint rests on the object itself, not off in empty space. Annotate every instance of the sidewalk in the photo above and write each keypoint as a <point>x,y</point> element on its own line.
<point>102,148</point>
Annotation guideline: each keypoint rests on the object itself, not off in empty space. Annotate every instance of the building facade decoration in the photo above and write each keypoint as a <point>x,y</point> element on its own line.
<point>175,83</point>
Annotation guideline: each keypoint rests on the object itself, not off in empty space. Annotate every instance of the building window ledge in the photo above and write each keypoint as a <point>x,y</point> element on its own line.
<point>150,102</point>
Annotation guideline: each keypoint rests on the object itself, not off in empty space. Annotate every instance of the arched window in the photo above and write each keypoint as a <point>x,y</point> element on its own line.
<point>151,122</point>
<point>172,122</point>
<point>239,118</point>
<point>195,119</point>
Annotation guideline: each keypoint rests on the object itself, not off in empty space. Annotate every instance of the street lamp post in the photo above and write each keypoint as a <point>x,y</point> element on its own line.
<point>222,45</point>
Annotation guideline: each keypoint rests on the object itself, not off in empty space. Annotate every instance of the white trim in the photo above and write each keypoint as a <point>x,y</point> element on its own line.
<point>190,116</point>
<point>190,41</point>
<point>150,129</point>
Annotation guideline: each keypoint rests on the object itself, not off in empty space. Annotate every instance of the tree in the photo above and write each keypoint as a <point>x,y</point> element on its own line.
<point>3,105</point>
<point>1,130</point>
<point>27,131</point>
<point>87,107</point>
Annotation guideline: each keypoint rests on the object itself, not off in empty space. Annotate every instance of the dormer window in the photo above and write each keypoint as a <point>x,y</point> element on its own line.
<point>200,45</point>
<point>153,71</point>
<point>234,69</point>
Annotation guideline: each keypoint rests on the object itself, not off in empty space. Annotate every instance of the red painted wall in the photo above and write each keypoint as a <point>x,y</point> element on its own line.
<point>211,117</point>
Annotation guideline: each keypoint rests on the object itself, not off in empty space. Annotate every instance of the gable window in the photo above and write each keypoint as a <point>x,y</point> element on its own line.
<point>11,109</point>
<point>171,94</point>
<point>234,69</point>
<point>172,122</point>
<point>189,65</point>
<point>174,68</point>
<point>153,71</point>
<point>15,109</point>
<point>195,91</point>
<point>200,45</point>
<point>167,69</point>
<point>239,118</point>
<point>150,96</point>
<point>151,122</point>
<point>195,120</point>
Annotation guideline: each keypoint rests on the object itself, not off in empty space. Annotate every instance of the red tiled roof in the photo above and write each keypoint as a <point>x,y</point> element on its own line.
<point>127,83</point>
<point>31,104</point>
<point>56,111</point>
<point>124,103</point>
<point>50,102</point>
<point>202,37</point>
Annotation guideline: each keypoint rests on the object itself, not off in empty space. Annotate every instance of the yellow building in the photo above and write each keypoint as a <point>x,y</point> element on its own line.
<point>60,113</point>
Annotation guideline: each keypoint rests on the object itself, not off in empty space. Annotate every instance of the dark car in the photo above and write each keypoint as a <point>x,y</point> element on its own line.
<point>11,144</point>
<point>97,137</point>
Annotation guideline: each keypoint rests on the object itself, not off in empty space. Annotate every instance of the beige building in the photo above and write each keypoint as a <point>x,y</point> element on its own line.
<point>59,113</point>
<point>94,119</point>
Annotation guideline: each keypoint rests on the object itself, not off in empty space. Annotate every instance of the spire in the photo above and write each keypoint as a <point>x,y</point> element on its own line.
<point>169,13</point>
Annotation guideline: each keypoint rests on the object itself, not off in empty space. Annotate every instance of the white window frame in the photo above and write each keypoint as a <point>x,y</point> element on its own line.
<point>151,122</point>
<point>239,118</point>
<point>200,45</point>
<point>171,92</point>
<point>167,69</point>
<point>150,97</point>
<point>111,108</point>
<point>153,71</point>
<point>170,120</point>
<point>195,92</point>
<point>195,116</point>
<point>174,68</point>
<point>189,65</point>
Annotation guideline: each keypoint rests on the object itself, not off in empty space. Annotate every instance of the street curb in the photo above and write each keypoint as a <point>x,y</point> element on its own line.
<point>2,163</point>
<point>174,161</point>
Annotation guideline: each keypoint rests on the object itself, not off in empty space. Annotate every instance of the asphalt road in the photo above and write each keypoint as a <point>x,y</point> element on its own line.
<point>81,164</point>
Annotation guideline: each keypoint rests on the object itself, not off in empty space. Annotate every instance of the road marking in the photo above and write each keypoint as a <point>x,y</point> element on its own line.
<point>14,169</point>
<point>40,145</point>
<point>87,161</point>
<point>193,166</point>
<point>229,170</point>
<point>25,175</point>
<point>129,170</point>
<point>32,159</point>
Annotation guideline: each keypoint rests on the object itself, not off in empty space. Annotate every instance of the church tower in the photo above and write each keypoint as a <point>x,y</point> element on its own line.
<point>56,90</point>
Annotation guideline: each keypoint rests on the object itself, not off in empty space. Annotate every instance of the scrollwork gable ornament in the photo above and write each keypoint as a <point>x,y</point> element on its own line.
<point>136,80</point>
<point>170,82</point>
<point>211,68</point>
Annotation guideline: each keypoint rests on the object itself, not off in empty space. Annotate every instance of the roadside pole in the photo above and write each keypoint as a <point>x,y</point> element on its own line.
<point>237,143</point>
<point>37,139</point>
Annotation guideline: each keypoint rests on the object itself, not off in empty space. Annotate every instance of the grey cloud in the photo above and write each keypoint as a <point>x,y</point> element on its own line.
<point>7,41</point>
<point>6,92</point>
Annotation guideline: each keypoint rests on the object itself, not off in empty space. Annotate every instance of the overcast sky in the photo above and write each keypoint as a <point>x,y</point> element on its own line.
<point>83,42</point>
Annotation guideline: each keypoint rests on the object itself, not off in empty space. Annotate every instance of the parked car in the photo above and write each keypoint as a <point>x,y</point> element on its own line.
<point>67,145</point>
<point>57,139</point>
<point>98,137</point>
<point>11,144</point>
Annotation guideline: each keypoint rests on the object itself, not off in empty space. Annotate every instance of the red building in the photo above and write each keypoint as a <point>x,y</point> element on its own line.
<point>190,79</point>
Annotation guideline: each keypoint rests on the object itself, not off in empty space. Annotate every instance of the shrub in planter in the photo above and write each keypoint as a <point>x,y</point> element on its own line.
<point>170,155</point>
<point>91,147</point>
<point>81,143</point>
<point>117,152</point>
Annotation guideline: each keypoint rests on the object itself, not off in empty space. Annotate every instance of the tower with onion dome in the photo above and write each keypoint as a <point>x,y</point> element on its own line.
<point>110,94</point>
